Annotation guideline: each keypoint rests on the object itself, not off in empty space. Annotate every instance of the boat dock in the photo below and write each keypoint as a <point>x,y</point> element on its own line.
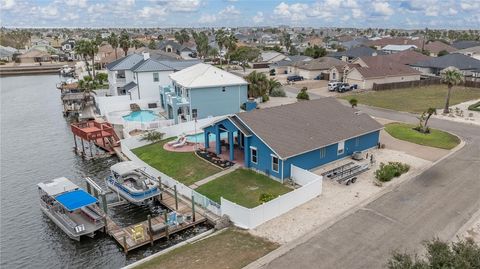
<point>182,216</point>
<point>101,134</point>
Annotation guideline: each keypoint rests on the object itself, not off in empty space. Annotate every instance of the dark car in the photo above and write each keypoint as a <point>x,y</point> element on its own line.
<point>294,78</point>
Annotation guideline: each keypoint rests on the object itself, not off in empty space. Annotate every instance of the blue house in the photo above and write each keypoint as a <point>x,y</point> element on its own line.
<point>306,134</point>
<point>203,90</point>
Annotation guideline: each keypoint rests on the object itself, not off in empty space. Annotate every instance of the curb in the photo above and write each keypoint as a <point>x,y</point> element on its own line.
<point>282,250</point>
<point>459,234</point>
<point>192,240</point>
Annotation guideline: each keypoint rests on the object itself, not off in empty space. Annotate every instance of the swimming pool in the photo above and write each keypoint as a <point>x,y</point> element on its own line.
<point>200,137</point>
<point>141,116</point>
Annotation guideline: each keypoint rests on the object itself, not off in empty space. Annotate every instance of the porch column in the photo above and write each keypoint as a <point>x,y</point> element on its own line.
<point>231,145</point>
<point>246,151</point>
<point>218,146</point>
<point>207,141</point>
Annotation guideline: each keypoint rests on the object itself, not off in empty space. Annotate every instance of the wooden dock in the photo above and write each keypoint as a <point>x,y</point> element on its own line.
<point>152,229</point>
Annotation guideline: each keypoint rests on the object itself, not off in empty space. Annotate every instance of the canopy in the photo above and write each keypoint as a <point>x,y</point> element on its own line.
<point>57,186</point>
<point>75,199</point>
<point>123,168</point>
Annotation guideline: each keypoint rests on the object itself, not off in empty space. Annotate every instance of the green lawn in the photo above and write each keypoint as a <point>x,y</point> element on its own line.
<point>436,138</point>
<point>230,249</point>
<point>185,167</point>
<point>415,100</point>
<point>242,186</point>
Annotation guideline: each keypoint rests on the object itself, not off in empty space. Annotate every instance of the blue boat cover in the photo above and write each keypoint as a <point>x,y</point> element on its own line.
<point>75,199</point>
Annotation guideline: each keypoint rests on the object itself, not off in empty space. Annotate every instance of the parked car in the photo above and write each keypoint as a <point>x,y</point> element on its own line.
<point>272,72</point>
<point>345,87</point>
<point>294,78</point>
<point>333,85</point>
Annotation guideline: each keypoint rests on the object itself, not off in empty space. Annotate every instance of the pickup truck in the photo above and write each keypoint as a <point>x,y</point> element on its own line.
<point>294,78</point>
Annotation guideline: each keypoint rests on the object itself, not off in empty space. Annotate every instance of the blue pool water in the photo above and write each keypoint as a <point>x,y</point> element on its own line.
<point>141,116</point>
<point>200,137</point>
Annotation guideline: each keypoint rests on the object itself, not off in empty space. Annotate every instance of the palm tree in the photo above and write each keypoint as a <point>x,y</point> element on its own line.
<point>258,84</point>
<point>450,76</point>
<point>220,38</point>
<point>124,42</point>
<point>113,41</point>
<point>273,84</point>
<point>213,52</point>
<point>137,44</point>
<point>83,48</point>
<point>230,44</point>
<point>430,111</point>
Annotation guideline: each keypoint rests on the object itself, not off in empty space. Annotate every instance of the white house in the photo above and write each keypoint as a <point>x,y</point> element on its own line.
<point>398,48</point>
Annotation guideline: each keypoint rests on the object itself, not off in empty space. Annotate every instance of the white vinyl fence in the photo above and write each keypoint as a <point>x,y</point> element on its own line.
<point>301,176</point>
<point>250,218</point>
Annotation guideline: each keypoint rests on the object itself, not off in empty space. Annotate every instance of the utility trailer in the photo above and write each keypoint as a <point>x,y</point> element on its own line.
<point>347,173</point>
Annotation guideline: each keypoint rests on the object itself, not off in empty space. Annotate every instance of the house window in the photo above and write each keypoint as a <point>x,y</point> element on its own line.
<point>274,163</point>
<point>357,141</point>
<point>341,148</point>
<point>323,153</point>
<point>253,155</point>
<point>155,77</point>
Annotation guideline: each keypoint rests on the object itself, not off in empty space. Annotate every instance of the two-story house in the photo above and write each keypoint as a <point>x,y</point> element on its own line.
<point>201,91</point>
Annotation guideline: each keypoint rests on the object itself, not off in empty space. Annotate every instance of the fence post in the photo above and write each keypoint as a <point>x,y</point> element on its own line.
<point>193,208</point>
<point>150,231</point>
<point>176,197</point>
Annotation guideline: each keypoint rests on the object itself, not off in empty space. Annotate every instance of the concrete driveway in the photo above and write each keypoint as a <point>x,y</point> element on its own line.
<point>438,202</point>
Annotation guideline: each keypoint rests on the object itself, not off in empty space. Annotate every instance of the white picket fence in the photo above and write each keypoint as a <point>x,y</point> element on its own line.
<point>250,218</point>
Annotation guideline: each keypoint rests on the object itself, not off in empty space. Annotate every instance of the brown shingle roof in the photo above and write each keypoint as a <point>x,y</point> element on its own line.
<point>437,46</point>
<point>304,126</point>
<point>388,70</point>
<point>323,63</point>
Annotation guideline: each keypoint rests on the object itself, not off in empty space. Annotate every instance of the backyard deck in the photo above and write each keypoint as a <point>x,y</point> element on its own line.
<point>139,234</point>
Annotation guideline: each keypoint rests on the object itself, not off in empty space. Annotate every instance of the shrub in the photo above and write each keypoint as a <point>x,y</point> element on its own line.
<point>152,136</point>
<point>278,93</point>
<point>474,107</point>
<point>265,197</point>
<point>243,106</point>
<point>265,98</point>
<point>303,95</point>
<point>388,171</point>
<point>353,102</point>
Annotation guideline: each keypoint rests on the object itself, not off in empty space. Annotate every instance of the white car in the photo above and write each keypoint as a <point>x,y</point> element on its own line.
<point>332,86</point>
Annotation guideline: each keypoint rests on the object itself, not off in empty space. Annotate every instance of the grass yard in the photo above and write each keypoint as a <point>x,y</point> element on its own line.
<point>230,249</point>
<point>436,138</point>
<point>185,167</point>
<point>415,100</point>
<point>242,186</point>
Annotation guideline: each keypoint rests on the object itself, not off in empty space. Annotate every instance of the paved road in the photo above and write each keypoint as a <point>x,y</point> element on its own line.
<point>436,203</point>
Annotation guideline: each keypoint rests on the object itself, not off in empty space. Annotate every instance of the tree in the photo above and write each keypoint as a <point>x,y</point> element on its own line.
<point>201,40</point>
<point>182,36</point>
<point>442,53</point>
<point>315,52</point>
<point>258,84</point>
<point>220,38</point>
<point>303,95</point>
<point>124,42</point>
<point>244,55</point>
<point>213,52</point>
<point>450,76</point>
<point>113,41</point>
<point>152,136</point>
<point>439,254</point>
<point>423,120</point>
<point>152,44</point>
<point>273,85</point>
<point>230,44</point>
<point>86,49</point>
<point>353,102</point>
<point>101,78</point>
<point>137,44</point>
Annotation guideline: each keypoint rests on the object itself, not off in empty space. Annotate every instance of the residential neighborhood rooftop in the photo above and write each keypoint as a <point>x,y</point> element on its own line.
<point>457,60</point>
<point>307,125</point>
<point>321,63</point>
<point>204,75</point>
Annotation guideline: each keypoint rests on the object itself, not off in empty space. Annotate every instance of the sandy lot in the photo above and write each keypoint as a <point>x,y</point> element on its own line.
<point>472,117</point>
<point>336,198</point>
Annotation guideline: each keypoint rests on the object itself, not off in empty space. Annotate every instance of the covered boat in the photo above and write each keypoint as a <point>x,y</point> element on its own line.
<point>71,208</point>
<point>130,181</point>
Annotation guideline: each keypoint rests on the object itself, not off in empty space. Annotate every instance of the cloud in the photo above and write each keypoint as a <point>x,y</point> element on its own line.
<point>293,12</point>
<point>180,5</point>
<point>7,4</point>
<point>258,18</point>
<point>207,18</point>
<point>76,3</point>
<point>470,5</point>
<point>149,12</point>
<point>382,9</point>
<point>229,11</point>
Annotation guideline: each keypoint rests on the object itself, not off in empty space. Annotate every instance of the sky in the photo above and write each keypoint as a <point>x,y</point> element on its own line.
<point>408,14</point>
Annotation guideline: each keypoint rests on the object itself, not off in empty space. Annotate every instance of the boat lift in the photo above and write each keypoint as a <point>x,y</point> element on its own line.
<point>94,189</point>
<point>347,173</point>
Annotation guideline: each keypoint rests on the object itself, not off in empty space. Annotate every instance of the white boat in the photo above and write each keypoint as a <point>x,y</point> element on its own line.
<point>71,208</point>
<point>130,181</point>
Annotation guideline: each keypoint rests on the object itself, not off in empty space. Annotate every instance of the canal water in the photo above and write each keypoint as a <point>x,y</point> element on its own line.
<point>36,145</point>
